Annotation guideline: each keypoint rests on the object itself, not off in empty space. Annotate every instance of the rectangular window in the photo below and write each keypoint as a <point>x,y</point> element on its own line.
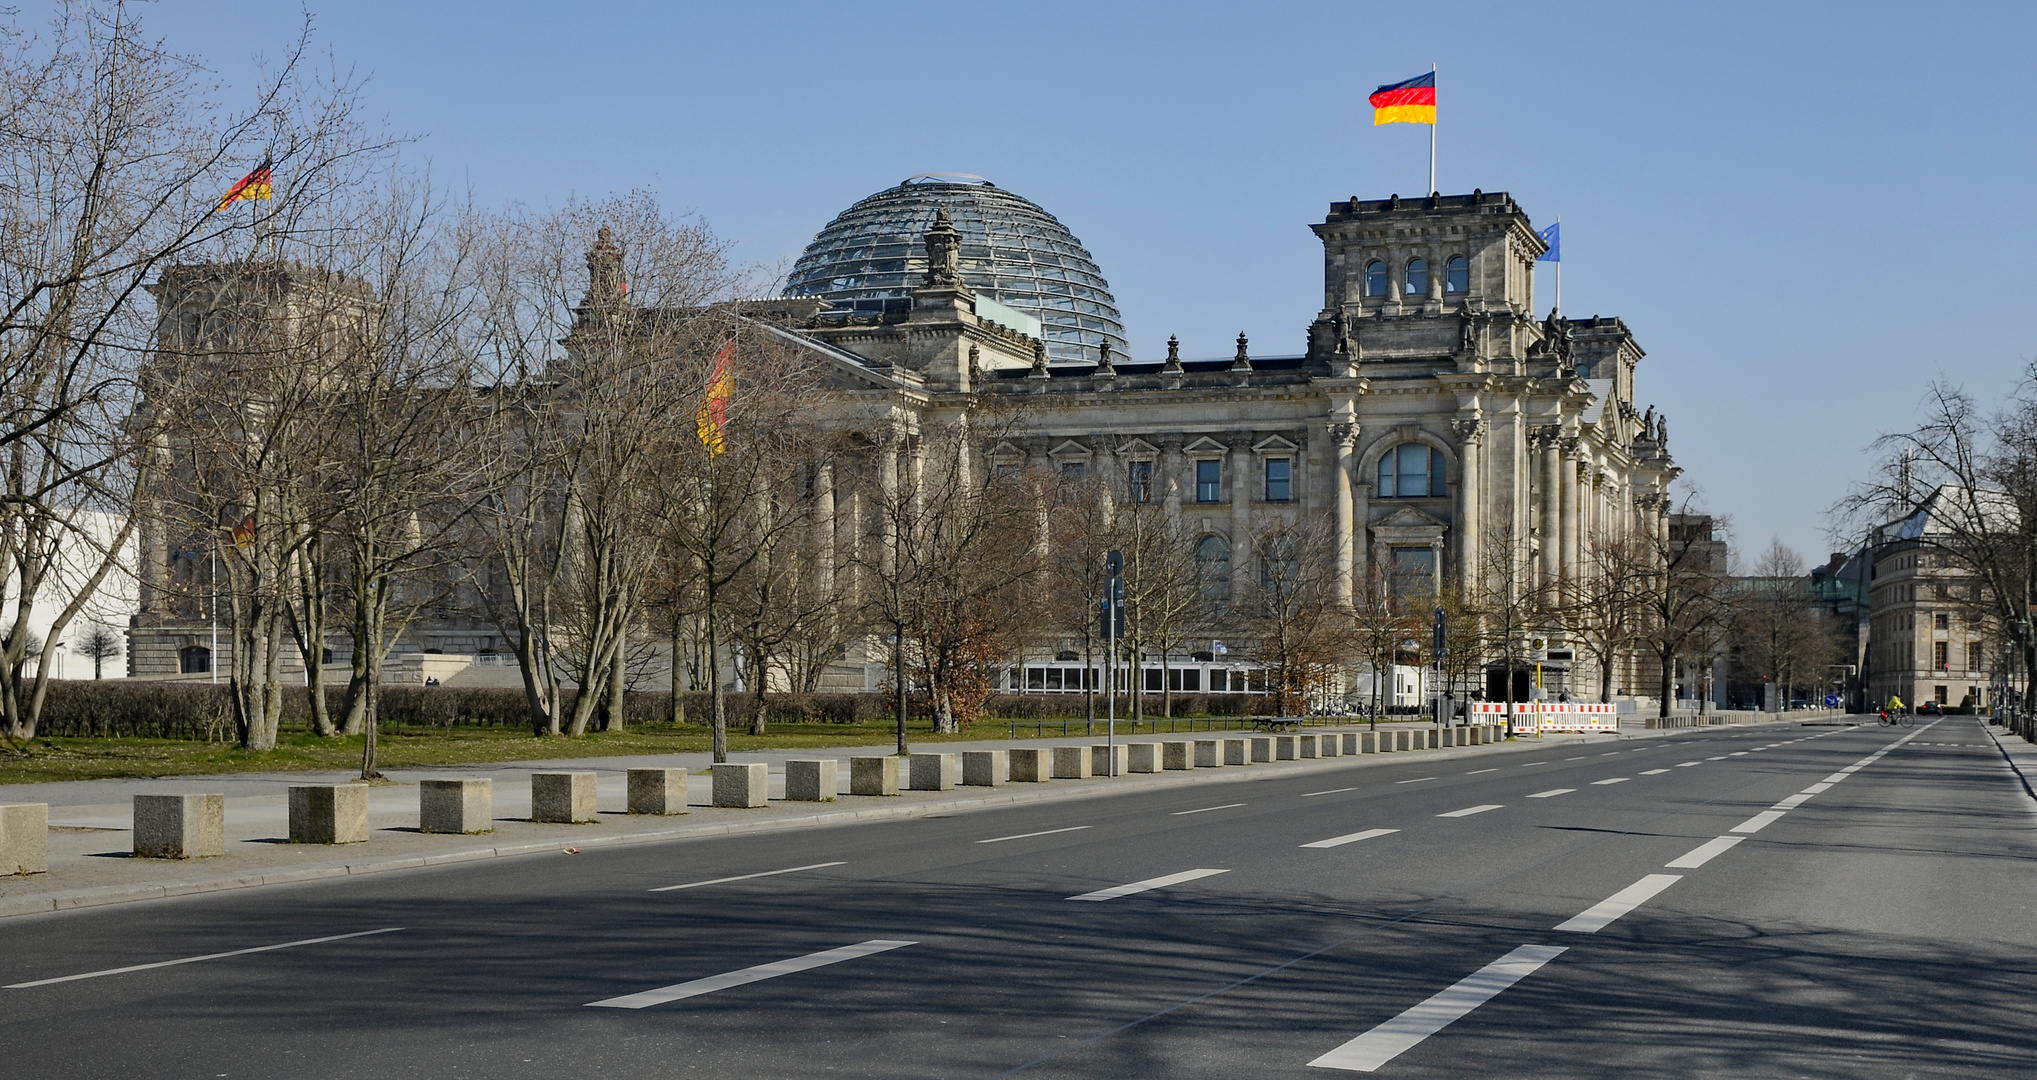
<point>1053,678</point>
<point>1943,621</point>
<point>1414,572</point>
<point>1073,470</point>
<point>1219,681</point>
<point>1938,655</point>
<point>1152,677</point>
<point>1279,479</point>
<point>1036,678</point>
<point>1139,481</point>
<point>1973,656</point>
<point>1938,694</point>
<point>1209,481</point>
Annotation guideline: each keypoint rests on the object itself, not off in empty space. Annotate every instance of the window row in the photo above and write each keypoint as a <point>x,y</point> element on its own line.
<point>1193,680</point>
<point>1408,471</point>
<point>1415,279</point>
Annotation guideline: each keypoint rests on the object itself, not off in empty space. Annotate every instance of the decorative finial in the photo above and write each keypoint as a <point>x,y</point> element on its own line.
<point>1243,361</point>
<point>1173,354</point>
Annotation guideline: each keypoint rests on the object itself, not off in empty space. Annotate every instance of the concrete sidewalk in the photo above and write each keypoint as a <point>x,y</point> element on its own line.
<point>90,821</point>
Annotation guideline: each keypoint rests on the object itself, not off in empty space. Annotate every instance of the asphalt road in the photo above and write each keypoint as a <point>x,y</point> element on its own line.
<point>1573,912</point>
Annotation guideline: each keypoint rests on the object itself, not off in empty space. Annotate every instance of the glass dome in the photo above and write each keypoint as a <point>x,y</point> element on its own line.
<point>870,257</point>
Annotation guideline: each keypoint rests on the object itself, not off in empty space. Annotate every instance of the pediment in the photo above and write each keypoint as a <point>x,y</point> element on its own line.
<point>1138,448</point>
<point>1005,453</point>
<point>1275,445</point>
<point>1410,517</point>
<point>1205,445</point>
<point>1070,450</point>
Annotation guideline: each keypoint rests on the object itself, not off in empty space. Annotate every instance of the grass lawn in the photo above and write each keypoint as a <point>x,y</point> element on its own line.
<point>97,759</point>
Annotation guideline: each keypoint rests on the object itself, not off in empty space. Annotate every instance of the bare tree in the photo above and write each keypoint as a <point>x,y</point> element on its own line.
<point>1685,595</point>
<point>101,643</point>
<point>1291,612</point>
<point>1601,608</point>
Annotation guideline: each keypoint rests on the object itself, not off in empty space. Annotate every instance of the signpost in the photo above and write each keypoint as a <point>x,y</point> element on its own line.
<point>1113,629</point>
<point>1436,662</point>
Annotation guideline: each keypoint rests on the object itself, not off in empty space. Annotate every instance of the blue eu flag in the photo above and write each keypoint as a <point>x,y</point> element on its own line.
<point>1553,236</point>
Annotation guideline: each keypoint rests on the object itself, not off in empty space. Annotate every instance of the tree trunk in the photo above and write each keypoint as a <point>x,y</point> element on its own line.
<point>678,705</point>
<point>758,667</point>
<point>715,691</point>
<point>898,668</point>
<point>1667,685</point>
<point>618,681</point>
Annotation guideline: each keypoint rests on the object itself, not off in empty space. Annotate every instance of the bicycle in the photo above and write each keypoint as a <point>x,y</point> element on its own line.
<point>1903,718</point>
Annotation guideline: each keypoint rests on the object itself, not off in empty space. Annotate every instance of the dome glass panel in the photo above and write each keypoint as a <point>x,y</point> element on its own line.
<point>871,257</point>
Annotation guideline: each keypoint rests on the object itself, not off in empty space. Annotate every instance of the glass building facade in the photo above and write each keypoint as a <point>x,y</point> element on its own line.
<point>871,256</point>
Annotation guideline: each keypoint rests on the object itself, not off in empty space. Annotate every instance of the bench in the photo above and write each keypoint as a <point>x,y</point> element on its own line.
<point>1276,723</point>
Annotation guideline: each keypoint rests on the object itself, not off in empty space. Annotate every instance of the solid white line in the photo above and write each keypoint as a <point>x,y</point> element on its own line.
<point>1704,853</point>
<point>195,959</point>
<point>747,975</point>
<point>1150,883</point>
<point>1614,780</point>
<point>1350,838</point>
<point>746,877</point>
<point>1758,822</point>
<point>1332,791</point>
<point>1414,781</point>
<point>1382,1044</point>
<point>1206,809</point>
<point>1653,772</point>
<point>1596,917</point>
<point>1552,793</point>
<point>1026,835</point>
<point>1470,810</point>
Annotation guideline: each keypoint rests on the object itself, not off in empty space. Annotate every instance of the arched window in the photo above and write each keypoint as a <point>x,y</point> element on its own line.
<point>1375,278</point>
<point>1412,471</point>
<point>1418,278</point>
<point>1457,275</point>
<point>1213,567</point>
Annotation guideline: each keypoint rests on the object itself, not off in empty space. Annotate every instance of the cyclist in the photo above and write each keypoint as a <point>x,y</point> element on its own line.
<point>1894,710</point>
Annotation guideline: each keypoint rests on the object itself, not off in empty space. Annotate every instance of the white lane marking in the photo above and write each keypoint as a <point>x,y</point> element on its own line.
<point>1816,789</point>
<point>1382,1044</point>
<point>746,877</point>
<point>196,959</point>
<point>1475,772</point>
<point>1028,835</point>
<point>1579,757</point>
<point>1552,793</point>
<point>1615,753</point>
<point>1350,838</point>
<point>1116,891</point>
<point>1793,801</point>
<point>709,985</point>
<point>1737,753</point>
<point>1599,915</point>
<point>1614,780</point>
<point>1532,764</point>
<point>1704,853</point>
<point>1758,822</point>
<point>1414,781</point>
<point>1653,772</point>
<point>1720,757</point>
<point>1687,764</point>
<point>1332,791</point>
<point>1206,809</point>
<point>1470,810</point>
<point>1834,778</point>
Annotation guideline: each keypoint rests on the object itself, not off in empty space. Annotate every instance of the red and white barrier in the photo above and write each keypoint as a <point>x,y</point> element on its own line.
<point>1553,715</point>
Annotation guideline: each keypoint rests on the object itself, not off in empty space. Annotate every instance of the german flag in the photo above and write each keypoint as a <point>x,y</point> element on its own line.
<point>711,420</point>
<point>1410,102</point>
<point>254,185</point>
<point>244,534</point>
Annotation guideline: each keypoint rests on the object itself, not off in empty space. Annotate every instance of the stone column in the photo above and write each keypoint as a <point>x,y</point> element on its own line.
<point>1470,433</point>
<point>1552,508</point>
<point>824,514</point>
<point>1236,467</point>
<point>1571,509</point>
<point>1341,437</point>
<point>887,488</point>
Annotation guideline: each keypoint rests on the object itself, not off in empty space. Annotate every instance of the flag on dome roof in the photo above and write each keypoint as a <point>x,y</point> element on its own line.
<point>1409,102</point>
<point>255,185</point>
<point>1552,236</point>
<point>711,420</point>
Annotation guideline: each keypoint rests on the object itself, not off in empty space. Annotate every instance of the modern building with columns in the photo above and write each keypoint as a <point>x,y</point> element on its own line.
<point>1429,416</point>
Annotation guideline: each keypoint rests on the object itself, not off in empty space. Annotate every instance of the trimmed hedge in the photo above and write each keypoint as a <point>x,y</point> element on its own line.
<point>121,708</point>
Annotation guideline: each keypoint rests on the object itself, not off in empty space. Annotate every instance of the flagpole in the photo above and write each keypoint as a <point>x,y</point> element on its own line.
<point>1559,269</point>
<point>1432,139</point>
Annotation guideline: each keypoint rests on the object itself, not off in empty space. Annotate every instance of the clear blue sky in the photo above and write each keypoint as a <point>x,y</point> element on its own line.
<point>1806,212</point>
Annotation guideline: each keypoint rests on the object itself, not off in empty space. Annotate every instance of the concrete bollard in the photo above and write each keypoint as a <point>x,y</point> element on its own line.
<point>657,791</point>
<point>1237,752</point>
<point>812,780</point>
<point>1071,763</point>
<point>329,814</point>
<point>1099,759</point>
<point>1306,745</point>
<point>1350,741</point>
<point>1145,757</point>
<point>743,785</point>
<point>1031,765</point>
<point>873,776</point>
<point>1328,746</point>
<point>563,798</point>
<point>1177,754</point>
<point>179,826</point>
<point>1403,739</point>
<point>1262,748</point>
<point>24,838</point>
<point>985,768</point>
<point>456,806</point>
<point>1284,748</point>
<point>935,772</point>
<point>1209,753</point>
